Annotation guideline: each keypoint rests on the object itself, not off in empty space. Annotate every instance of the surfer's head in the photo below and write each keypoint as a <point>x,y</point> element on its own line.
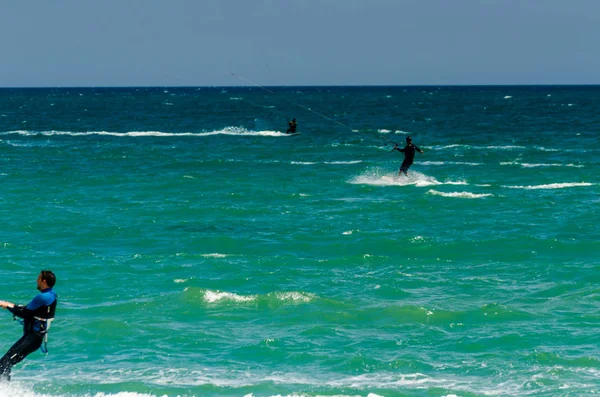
<point>408,139</point>
<point>46,279</point>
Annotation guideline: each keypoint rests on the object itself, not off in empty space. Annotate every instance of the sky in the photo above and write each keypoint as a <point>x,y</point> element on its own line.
<point>81,43</point>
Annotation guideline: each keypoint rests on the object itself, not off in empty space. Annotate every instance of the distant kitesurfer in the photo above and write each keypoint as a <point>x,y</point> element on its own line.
<point>409,155</point>
<point>36,316</point>
<point>292,127</point>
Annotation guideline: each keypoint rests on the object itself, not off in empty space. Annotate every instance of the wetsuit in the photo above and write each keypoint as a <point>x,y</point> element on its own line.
<point>35,325</point>
<point>409,156</point>
<point>292,129</point>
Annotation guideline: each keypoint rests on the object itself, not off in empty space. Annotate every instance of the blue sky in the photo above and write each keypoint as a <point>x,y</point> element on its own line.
<point>298,42</point>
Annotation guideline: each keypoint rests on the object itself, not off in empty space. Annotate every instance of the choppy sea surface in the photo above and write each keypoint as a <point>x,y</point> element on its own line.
<point>201,251</point>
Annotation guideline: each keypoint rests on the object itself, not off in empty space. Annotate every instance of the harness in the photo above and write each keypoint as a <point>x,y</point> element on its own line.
<point>44,324</point>
<point>38,321</point>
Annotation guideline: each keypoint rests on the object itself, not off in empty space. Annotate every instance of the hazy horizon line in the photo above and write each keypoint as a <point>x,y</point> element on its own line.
<point>306,86</point>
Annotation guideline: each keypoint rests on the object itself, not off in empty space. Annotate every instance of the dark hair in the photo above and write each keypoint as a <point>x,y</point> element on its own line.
<point>408,138</point>
<point>49,277</point>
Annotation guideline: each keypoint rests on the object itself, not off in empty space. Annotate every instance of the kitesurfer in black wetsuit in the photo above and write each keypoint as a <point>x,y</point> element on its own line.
<point>292,127</point>
<point>36,316</point>
<point>409,155</point>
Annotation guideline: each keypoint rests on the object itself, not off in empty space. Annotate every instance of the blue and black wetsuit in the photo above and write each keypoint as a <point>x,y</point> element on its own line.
<point>36,320</point>
<point>293,125</point>
<point>409,156</point>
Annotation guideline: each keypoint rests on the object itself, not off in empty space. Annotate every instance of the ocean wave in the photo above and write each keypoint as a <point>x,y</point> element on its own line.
<point>386,131</point>
<point>136,134</point>
<point>326,162</point>
<point>216,296</point>
<point>277,297</point>
<point>292,296</point>
<point>448,163</point>
<point>215,255</point>
<point>343,162</point>
<point>13,390</point>
<point>551,186</point>
<point>534,165</point>
<point>467,195</point>
<point>180,280</point>
<point>543,149</point>
<point>28,144</point>
<point>496,147</point>
<point>528,165</point>
<point>196,381</point>
<point>455,145</point>
<point>378,178</point>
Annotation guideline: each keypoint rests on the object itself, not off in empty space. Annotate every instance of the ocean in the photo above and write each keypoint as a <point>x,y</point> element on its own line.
<point>201,251</point>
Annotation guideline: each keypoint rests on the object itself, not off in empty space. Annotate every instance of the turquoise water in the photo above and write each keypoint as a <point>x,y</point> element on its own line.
<point>200,251</point>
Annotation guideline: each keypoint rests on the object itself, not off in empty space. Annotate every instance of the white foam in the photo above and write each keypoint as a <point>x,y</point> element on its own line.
<point>294,296</point>
<point>496,147</point>
<point>534,165</point>
<point>467,195</point>
<point>447,163</point>
<point>552,186</point>
<point>216,296</point>
<point>378,178</point>
<point>318,395</point>
<point>126,394</point>
<point>504,147</point>
<point>190,377</point>
<point>543,149</point>
<point>16,390</point>
<point>528,165</point>
<point>449,146</point>
<point>226,131</point>
<point>344,162</point>
<point>215,255</point>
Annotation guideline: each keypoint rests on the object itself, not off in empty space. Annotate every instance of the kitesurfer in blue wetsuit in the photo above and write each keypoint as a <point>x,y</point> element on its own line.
<point>409,155</point>
<point>292,127</point>
<point>36,316</point>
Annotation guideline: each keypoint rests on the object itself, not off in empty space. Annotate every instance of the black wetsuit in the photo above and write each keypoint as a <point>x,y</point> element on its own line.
<point>409,155</point>
<point>292,129</point>
<point>35,325</point>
